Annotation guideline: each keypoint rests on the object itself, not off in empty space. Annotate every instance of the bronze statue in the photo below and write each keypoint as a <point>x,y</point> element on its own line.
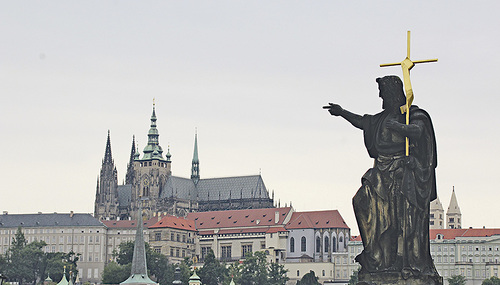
<point>392,205</point>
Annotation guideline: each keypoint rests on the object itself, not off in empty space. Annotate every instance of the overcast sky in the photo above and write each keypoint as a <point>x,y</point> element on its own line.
<point>251,77</point>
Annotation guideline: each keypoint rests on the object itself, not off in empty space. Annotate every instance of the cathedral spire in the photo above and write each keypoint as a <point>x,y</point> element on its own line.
<point>153,149</point>
<point>108,158</point>
<point>129,177</point>
<point>195,164</point>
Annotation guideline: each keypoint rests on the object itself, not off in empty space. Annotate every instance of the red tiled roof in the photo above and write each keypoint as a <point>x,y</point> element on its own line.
<point>245,230</point>
<point>128,224</point>
<point>316,220</point>
<point>356,238</point>
<point>454,233</point>
<point>175,223</point>
<point>239,218</point>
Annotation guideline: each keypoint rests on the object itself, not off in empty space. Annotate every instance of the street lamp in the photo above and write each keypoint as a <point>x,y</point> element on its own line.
<point>2,278</point>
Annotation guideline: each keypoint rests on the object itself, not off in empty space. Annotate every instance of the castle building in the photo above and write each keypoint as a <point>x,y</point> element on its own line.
<point>62,232</point>
<point>150,177</point>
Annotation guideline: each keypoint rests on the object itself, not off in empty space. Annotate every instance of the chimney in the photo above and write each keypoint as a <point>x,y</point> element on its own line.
<point>276,217</point>
<point>71,214</point>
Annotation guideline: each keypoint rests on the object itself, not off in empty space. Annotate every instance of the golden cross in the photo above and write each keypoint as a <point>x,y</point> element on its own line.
<point>407,64</point>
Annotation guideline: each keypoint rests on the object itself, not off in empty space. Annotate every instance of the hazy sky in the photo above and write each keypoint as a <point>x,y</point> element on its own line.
<point>252,77</point>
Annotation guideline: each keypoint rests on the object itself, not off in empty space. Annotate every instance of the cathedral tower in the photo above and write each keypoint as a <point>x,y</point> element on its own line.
<point>151,171</point>
<point>106,200</point>
<point>453,215</point>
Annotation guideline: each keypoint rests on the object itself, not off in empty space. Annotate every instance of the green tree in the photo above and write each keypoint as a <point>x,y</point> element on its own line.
<point>309,279</point>
<point>354,278</point>
<point>456,280</point>
<point>491,281</point>
<point>277,274</point>
<point>159,268</point>
<point>212,272</point>
<point>115,273</point>
<point>234,273</point>
<point>18,267</point>
<point>125,252</point>
<point>54,263</point>
<point>254,269</point>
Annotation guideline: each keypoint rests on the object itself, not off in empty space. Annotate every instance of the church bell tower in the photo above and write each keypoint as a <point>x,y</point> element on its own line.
<point>151,171</point>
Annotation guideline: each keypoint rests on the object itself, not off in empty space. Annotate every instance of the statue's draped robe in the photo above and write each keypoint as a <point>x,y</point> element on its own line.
<point>392,205</point>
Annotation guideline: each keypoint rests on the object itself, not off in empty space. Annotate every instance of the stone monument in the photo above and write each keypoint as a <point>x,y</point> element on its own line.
<point>392,205</point>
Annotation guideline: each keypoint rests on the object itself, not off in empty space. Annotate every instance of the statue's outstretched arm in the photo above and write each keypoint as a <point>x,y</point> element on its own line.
<point>413,130</point>
<point>336,110</point>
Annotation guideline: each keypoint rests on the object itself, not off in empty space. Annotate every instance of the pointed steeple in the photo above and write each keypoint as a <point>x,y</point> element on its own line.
<point>139,271</point>
<point>129,177</point>
<point>108,158</point>
<point>453,208</point>
<point>195,163</point>
<point>436,219</point>
<point>453,215</point>
<point>63,281</point>
<point>153,149</point>
<point>106,191</point>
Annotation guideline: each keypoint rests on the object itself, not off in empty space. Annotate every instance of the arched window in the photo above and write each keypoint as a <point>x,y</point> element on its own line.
<point>318,244</point>
<point>292,244</point>
<point>303,244</point>
<point>334,244</point>
<point>326,243</point>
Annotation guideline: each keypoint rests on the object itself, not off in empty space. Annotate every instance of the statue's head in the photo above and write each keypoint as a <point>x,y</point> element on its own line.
<point>391,92</point>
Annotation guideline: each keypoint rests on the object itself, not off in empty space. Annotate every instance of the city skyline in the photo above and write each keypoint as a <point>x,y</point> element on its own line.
<point>250,79</point>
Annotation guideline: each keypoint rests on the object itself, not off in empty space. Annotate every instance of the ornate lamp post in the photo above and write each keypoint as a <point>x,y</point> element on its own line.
<point>2,278</point>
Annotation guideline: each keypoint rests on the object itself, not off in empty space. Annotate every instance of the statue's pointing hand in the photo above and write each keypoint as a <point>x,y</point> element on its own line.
<point>334,109</point>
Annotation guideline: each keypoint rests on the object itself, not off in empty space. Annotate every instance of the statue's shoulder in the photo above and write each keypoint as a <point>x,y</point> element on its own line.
<point>418,113</point>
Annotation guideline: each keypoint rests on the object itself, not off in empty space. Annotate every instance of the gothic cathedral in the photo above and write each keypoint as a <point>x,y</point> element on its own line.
<point>150,178</point>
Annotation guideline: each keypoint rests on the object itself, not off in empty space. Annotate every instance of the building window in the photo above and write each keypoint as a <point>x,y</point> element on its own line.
<point>172,251</point>
<point>204,251</point>
<point>318,244</point>
<point>327,243</point>
<point>292,244</point>
<point>452,220</point>
<point>334,244</point>
<point>226,252</point>
<point>298,273</point>
<point>178,237</point>
<point>177,252</point>
<point>157,249</point>
<point>172,236</point>
<point>157,236</point>
<point>245,248</point>
<point>303,244</point>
